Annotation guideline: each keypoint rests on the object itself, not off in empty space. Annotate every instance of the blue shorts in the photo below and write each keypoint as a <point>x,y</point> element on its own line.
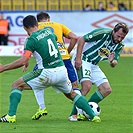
<point>70,70</point>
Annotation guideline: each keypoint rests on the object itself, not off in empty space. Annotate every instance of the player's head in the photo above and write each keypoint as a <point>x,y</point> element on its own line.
<point>30,23</point>
<point>119,32</point>
<point>43,17</point>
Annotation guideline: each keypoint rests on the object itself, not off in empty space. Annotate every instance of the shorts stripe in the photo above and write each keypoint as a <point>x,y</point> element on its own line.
<point>31,75</point>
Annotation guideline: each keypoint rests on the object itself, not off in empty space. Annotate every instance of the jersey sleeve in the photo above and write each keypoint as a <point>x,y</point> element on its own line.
<point>65,30</point>
<point>96,34</point>
<point>29,45</point>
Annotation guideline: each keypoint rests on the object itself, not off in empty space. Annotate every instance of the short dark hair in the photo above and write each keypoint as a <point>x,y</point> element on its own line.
<point>42,15</point>
<point>122,25</point>
<point>29,21</point>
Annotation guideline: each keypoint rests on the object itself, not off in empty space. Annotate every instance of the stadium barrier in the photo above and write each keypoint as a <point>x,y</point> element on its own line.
<point>79,22</point>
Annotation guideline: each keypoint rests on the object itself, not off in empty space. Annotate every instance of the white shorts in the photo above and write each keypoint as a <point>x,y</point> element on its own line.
<point>91,72</point>
<point>43,78</point>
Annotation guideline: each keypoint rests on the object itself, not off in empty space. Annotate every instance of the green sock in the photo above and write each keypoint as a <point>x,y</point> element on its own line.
<point>81,103</point>
<point>96,97</point>
<point>15,98</point>
<point>74,111</point>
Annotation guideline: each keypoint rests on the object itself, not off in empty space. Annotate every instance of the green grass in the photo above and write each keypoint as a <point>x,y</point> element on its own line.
<point>116,109</point>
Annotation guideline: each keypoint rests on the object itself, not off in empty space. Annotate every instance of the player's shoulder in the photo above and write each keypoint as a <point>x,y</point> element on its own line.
<point>103,30</point>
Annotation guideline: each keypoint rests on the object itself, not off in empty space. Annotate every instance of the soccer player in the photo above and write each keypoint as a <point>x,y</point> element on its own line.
<point>98,45</point>
<point>60,31</point>
<point>51,70</point>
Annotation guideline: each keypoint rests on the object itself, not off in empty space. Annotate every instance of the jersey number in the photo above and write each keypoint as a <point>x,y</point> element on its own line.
<point>87,72</point>
<point>52,49</point>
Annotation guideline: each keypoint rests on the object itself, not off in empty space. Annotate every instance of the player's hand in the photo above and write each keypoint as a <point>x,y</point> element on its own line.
<point>78,63</point>
<point>111,56</point>
<point>25,67</point>
<point>1,68</point>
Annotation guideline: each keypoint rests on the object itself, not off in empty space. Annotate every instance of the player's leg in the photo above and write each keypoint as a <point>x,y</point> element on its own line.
<point>42,111</point>
<point>15,97</point>
<point>76,112</point>
<point>104,90</point>
<point>84,76</point>
<point>27,82</point>
<point>73,78</point>
<point>100,80</point>
<point>79,101</point>
<point>39,95</point>
<point>85,88</point>
<point>71,73</point>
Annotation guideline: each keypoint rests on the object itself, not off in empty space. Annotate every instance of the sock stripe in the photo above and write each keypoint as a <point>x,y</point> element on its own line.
<point>15,90</point>
<point>76,98</point>
<point>100,95</point>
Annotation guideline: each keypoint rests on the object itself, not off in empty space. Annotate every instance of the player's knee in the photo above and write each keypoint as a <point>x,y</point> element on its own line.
<point>85,89</point>
<point>107,91</point>
<point>16,85</point>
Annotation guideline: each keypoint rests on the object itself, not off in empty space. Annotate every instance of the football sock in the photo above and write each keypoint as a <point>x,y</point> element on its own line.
<point>81,103</point>
<point>79,111</point>
<point>39,94</point>
<point>15,98</point>
<point>96,97</point>
<point>74,111</point>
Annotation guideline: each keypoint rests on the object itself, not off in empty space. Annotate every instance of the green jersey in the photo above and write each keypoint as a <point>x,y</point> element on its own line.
<point>99,44</point>
<point>44,48</point>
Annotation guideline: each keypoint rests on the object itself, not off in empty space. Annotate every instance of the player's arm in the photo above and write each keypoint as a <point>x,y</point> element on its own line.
<point>70,35</point>
<point>15,64</point>
<point>113,57</point>
<point>73,41</point>
<point>113,63</point>
<point>78,60</point>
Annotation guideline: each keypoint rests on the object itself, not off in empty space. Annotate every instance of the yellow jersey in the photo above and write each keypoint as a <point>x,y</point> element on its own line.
<point>60,31</point>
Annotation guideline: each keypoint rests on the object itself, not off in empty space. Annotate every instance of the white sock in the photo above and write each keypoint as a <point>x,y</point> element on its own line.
<point>39,94</point>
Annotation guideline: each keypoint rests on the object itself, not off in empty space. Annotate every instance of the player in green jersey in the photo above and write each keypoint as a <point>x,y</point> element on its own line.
<point>51,70</point>
<point>98,45</point>
<point>61,31</point>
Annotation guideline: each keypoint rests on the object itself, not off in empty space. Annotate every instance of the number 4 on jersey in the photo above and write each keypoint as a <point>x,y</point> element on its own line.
<point>52,49</point>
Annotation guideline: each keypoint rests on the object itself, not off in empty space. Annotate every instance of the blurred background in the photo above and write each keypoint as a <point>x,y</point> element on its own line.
<point>81,16</point>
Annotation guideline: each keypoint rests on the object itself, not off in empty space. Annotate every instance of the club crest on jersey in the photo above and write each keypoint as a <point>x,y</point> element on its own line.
<point>89,37</point>
<point>49,28</point>
<point>104,52</point>
<point>60,45</point>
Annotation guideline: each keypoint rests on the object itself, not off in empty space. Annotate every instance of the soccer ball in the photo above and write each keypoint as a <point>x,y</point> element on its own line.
<point>95,107</point>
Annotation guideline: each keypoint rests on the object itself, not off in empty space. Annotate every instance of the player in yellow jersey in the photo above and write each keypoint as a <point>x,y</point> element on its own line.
<point>60,31</point>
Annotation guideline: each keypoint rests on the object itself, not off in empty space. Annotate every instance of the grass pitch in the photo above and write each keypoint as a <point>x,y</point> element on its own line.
<point>116,109</point>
